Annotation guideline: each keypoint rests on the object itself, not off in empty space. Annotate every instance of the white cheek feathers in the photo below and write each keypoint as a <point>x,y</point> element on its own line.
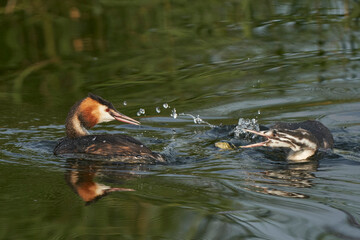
<point>104,116</point>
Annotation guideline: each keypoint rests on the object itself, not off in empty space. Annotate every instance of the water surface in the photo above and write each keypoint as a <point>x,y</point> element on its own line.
<point>222,60</point>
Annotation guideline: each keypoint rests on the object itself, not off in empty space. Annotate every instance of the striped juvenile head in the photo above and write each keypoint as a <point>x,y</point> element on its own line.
<point>296,140</point>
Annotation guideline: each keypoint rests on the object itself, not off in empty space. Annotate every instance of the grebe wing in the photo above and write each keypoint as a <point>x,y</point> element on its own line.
<point>107,145</point>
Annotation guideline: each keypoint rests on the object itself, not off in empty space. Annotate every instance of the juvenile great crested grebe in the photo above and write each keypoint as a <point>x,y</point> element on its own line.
<point>303,138</point>
<point>90,111</point>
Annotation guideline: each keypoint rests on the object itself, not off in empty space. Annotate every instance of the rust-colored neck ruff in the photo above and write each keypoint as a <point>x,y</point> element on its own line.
<point>83,115</point>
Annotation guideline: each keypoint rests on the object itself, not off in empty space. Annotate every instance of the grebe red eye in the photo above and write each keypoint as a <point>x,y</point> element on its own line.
<point>107,110</point>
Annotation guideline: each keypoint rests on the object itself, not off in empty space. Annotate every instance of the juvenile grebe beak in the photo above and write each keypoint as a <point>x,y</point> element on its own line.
<point>122,118</point>
<point>295,139</point>
<point>260,144</point>
<point>301,142</point>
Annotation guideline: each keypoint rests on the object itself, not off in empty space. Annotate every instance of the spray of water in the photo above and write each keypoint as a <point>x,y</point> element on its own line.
<point>174,113</point>
<point>243,123</point>
<point>239,130</point>
<point>197,119</point>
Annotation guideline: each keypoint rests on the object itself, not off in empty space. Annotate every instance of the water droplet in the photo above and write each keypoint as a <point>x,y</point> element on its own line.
<point>124,103</point>
<point>140,112</point>
<point>158,110</point>
<point>174,113</point>
<point>198,120</point>
<point>165,105</point>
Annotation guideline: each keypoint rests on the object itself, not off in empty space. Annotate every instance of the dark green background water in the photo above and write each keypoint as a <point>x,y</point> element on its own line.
<point>269,60</point>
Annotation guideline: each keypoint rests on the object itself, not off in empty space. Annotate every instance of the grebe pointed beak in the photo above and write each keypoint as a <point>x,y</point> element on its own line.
<point>260,144</point>
<point>120,190</point>
<point>123,118</point>
<point>256,132</point>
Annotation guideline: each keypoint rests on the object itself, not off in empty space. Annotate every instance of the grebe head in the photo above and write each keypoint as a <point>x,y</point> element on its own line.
<point>302,143</point>
<point>101,110</point>
<point>90,111</point>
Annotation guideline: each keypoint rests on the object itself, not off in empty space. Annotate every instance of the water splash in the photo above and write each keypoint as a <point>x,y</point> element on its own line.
<point>174,113</point>
<point>243,123</point>
<point>238,131</point>
<point>140,112</point>
<point>197,119</point>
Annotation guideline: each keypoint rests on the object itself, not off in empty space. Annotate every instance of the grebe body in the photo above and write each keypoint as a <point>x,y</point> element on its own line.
<point>93,110</point>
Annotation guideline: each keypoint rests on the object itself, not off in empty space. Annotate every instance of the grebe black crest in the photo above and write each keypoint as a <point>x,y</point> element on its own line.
<point>303,138</point>
<point>93,110</point>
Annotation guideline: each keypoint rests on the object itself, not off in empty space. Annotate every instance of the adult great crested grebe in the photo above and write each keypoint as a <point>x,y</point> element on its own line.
<point>303,138</point>
<point>93,110</point>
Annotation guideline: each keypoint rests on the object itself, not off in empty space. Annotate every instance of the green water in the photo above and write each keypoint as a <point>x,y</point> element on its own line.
<point>222,60</point>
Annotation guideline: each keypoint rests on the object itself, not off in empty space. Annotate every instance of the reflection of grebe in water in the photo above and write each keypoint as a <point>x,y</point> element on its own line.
<point>93,110</point>
<point>285,180</point>
<point>81,178</point>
